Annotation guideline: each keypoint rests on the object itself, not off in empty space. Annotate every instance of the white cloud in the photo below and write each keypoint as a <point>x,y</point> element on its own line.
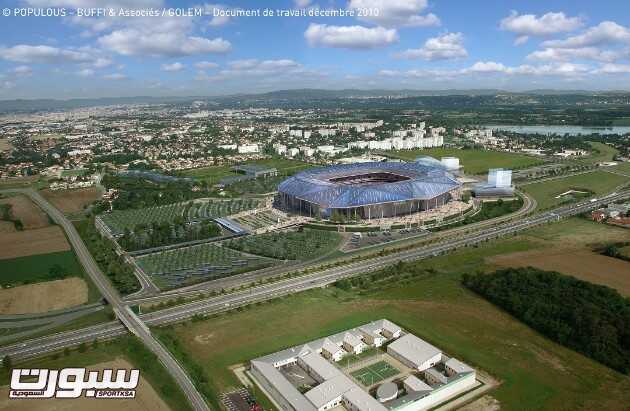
<point>584,53</point>
<point>22,71</point>
<point>526,25</point>
<point>101,62</point>
<point>492,68</point>
<point>217,19</point>
<point>132,42</point>
<point>260,69</point>
<point>115,76</point>
<point>613,69</point>
<point>206,65</point>
<point>351,37</point>
<point>395,13</point>
<point>302,4</point>
<point>85,73</point>
<point>606,32</point>
<point>44,54</point>
<point>448,46</point>
<point>172,67</point>
<point>487,67</point>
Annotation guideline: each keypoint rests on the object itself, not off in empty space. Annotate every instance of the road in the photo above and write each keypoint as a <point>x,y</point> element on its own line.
<point>59,341</point>
<point>232,282</point>
<point>124,314</point>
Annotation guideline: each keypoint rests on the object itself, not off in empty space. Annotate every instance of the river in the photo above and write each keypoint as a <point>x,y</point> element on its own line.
<point>561,130</point>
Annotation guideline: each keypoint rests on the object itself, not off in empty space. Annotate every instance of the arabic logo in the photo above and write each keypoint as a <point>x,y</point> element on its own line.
<point>71,383</point>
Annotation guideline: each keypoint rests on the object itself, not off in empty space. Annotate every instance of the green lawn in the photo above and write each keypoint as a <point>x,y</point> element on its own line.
<point>598,182</point>
<point>213,174</point>
<point>535,373</point>
<point>474,161</point>
<point>602,152</point>
<point>37,268</point>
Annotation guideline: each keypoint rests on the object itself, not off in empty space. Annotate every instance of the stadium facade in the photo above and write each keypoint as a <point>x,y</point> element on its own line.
<point>368,190</point>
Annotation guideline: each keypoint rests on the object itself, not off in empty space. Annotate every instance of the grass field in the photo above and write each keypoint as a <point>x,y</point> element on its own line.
<point>604,152</point>
<point>36,268</point>
<point>599,182</point>
<point>474,161</point>
<point>213,174</point>
<point>535,373</point>
<point>374,373</point>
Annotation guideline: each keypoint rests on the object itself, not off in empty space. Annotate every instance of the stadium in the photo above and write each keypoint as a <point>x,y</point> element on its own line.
<point>368,190</point>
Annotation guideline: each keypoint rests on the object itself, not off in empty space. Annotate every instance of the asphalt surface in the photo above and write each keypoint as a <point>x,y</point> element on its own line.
<point>124,314</point>
<point>59,341</point>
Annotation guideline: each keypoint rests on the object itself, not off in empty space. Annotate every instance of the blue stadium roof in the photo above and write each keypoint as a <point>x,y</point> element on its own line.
<point>416,181</point>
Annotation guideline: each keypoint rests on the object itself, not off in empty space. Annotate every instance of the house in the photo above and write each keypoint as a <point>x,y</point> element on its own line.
<point>332,351</point>
<point>353,343</point>
<point>599,215</point>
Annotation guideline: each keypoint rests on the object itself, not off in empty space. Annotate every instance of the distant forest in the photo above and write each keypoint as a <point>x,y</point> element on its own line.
<point>591,319</point>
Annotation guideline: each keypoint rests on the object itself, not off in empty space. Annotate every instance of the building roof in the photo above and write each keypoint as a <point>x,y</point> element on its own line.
<point>331,347</point>
<point>320,366</point>
<point>329,187</point>
<point>458,366</point>
<point>352,339</point>
<point>363,401</point>
<point>329,390</point>
<point>390,326</point>
<point>283,386</point>
<point>416,384</point>
<point>413,349</point>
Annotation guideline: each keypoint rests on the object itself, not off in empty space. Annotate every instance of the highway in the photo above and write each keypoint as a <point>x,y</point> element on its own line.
<point>124,314</point>
<point>59,341</point>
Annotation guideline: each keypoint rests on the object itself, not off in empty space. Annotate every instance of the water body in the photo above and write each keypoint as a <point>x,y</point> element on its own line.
<point>561,130</point>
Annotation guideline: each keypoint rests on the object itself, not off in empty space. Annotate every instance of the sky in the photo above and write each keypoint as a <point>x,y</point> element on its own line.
<point>69,49</point>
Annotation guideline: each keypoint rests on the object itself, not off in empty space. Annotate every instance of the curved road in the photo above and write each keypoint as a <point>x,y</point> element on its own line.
<point>59,341</point>
<point>124,314</point>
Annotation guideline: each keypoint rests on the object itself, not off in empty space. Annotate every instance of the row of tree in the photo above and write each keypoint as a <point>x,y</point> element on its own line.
<point>160,234</point>
<point>588,318</point>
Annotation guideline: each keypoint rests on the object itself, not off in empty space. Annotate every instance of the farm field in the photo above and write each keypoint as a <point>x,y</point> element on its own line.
<point>36,268</point>
<point>71,201</point>
<point>31,242</point>
<point>43,297</point>
<point>176,268</point>
<point>156,389</point>
<point>567,247</point>
<point>4,144</point>
<point>599,182</point>
<point>374,373</point>
<point>288,245</point>
<point>535,373</point>
<point>23,209</point>
<point>474,161</point>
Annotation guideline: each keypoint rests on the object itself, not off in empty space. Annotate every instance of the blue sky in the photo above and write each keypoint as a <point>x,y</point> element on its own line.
<point>417,44</point>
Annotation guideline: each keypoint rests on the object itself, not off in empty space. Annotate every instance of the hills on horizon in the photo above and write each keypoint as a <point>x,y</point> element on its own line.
<point>297,95</point>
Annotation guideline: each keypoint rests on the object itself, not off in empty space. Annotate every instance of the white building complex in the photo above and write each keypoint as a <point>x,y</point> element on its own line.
<point>312,376</point>
<point>499,184</point>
